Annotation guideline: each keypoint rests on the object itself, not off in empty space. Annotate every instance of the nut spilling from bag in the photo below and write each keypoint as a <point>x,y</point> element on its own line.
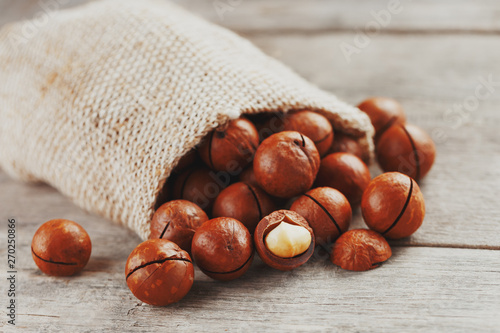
<point>246,174</point>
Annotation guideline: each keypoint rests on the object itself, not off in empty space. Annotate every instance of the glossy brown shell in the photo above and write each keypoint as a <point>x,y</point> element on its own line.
<point>177,221</point>
<point>159,272</point>
<point>245,203</point>
<point>327,211</point>
<point>286,164</point>
<point>393,205</point>
<point>344,143</point>
<point>266,225</point>
<point>230,148</point>
<point>313,125</point>
<point>222,248</point>
<point>201,186</point>
<point>360,250</point>
<point>61,247</point>
<point>406,149</point>
<point>383,112</point>
<point>346,173</point>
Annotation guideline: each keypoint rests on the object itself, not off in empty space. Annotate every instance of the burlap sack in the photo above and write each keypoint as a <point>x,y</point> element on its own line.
<point>103,100</point>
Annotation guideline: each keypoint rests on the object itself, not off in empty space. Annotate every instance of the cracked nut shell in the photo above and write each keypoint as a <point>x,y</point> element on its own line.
<point>245,203</point>
<point>327,211</point>
<point>159,272</point>
<point>231,147</point>
<point>393,205</point>
<point>346,173</point>
<point>383,112</point>
<point>222,248</point>
<point>266,225</point>
<point>360,250</point>
<point>286,164</point>
<point>177,221</point>
<point>407,149</point>
<point>61,247</point>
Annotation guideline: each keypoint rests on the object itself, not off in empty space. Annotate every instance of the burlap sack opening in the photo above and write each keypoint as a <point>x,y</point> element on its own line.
<point>103,100</point>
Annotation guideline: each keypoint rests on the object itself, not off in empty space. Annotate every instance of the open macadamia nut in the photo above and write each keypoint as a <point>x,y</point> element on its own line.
<point>393,205</point>
<point>286,164</point>
<point>346,173</point>
<point>223,248</point>
<point>177,221</point>
<point>245,203</point>
<point>231,147</point>
<point>383,112</point>
<point>159,272</point>
<point>61,247</point>
<point>284,240</point>
<point>360,250</point>
<point>327,211</point>
<point>407,149</point>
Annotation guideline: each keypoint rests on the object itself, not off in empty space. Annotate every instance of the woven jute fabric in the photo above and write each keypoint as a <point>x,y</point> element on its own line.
<point>101,101</point>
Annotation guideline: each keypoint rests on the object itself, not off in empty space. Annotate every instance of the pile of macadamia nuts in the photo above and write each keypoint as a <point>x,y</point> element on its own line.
<point>283,185</point>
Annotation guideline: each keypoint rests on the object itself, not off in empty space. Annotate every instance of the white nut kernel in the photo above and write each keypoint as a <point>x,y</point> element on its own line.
<point>288,240</point>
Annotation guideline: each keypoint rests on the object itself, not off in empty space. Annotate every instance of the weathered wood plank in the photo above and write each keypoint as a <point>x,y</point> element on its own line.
<point>417,289</point>
<point>306,16</point>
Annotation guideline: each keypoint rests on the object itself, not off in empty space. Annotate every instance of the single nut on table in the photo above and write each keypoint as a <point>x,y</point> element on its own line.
<point>360,250</point>
<point>284,248</point>
<point>393,205</point>
<point>159,272</point>
<point>61,247</point>
<point>288,240</point>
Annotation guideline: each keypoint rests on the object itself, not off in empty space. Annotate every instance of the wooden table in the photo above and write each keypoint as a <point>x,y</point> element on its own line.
<point>432,56</point>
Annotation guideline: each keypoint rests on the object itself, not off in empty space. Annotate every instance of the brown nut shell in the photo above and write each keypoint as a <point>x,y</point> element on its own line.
<point>346,173</point>
<point>360,250</point>
<point>245,203</point>
<point>248,176</point>
<point>407,149</point>
<point>313,125</point>
<point>61,247</point>
<point>344,143</point>
<point>222,248</point>
<point>286,164</point>
<point>230,148</point>
<point>266,225</point>
<point>327,211</point>
<point>201,186</point>
<point>383,112</point>
<point>177,221</point>
<point>159,272</point>
<point>393,205</point>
